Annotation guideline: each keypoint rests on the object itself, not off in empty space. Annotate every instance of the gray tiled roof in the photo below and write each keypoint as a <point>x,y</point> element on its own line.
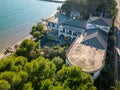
<point>93,42</point>
<point>75,23</point>
<point>58,19</point>
<point>101,32</point>
<point>62,18</point>
<point>102,21</point>
<point>96,38</point>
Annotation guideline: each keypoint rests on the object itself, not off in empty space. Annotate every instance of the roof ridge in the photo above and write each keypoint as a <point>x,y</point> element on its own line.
<point>75,23</point>
<point>106,20</point>
<point>101,21</point>
<point>101,40</point>
<point>90,36</point>
<point>93,19</point>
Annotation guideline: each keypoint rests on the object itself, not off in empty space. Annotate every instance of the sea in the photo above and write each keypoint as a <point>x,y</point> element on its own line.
<point>18,16</point>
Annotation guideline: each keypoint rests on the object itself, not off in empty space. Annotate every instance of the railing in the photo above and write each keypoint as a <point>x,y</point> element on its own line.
<point>52,27</point>
<point>62,31</point>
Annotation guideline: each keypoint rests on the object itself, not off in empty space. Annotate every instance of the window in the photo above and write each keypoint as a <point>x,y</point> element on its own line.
<point>63,30</point>
<point>53,24</point>
<point>70,32</point>
<point>79,33</point>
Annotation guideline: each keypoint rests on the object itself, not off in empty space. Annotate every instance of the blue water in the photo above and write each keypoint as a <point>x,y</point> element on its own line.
<point>18,16</point>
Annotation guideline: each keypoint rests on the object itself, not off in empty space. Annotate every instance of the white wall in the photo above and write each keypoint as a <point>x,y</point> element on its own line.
<point>67,62</point>
<point>96,74</point>
<point>104,28</point>
<point>90,26</point>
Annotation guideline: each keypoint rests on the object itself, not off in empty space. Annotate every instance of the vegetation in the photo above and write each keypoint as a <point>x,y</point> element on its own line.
<point>33,68</point>
<point>105,79</point>
<point>74,79</point>
<point>117,87</point>
<point>16,73</point>
<point>38,31</point>
<point>58,62</point>
<point>24,71</point>
<point>87,7</point>
<point>56,50</point>
<point>29,49</point>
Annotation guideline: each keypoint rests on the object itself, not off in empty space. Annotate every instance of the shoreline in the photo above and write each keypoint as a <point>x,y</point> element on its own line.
<point>2,55</point>
<point>22,20</point>
<point>12,47</point>
<point>55,1</point>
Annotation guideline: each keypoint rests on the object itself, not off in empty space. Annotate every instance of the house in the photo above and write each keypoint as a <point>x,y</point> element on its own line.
<point>66,26</point>
<point>72,28</point>
<point>89,50</point>
<point>96,38</point>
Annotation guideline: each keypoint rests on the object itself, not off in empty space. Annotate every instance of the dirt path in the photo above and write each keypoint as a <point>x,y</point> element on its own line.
<point>117,21</point>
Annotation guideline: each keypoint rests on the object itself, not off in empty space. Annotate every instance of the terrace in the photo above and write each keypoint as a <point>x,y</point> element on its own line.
<point>88,58</point>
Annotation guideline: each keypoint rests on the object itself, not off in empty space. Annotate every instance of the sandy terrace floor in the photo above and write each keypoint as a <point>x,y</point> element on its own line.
<point>88,58</point>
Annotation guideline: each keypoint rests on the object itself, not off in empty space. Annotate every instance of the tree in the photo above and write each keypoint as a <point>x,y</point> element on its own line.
<point>38,31</point>
<point>59,87</point>
<point>58,62</point>
<point>29,49</point>
<point>41,74</point>
<point>105,79</point>
<point>47,85</point>
<point>12,63</point>
<point>15,79</point>
<point>39,70</point>
<point>4,85</point>
<point>28,86</point>
<point>55,51</point>
<point>19,79</point>
<point>87,7</point>
<point>74,78</point>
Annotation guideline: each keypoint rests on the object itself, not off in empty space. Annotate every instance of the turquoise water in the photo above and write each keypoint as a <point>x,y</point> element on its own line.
<point>18,16</point>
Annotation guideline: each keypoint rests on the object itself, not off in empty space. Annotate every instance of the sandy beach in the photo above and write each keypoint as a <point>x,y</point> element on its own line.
<point>2,55</point>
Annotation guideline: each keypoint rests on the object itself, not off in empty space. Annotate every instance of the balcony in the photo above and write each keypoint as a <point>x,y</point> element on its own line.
<point>52,26</point>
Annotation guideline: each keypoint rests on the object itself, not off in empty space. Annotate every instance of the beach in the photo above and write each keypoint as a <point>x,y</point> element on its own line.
<point>13,49</point>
